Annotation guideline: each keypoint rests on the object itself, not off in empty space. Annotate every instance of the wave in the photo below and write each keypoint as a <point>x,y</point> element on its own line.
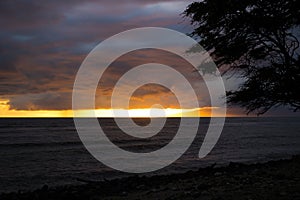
<point>39,144</point>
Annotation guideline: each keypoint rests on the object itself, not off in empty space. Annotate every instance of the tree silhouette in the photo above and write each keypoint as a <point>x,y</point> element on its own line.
<point>257,40</point>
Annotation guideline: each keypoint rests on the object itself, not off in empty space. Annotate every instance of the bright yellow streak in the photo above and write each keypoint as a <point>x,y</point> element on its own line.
<point>145,112</point>
<point>5,111</point>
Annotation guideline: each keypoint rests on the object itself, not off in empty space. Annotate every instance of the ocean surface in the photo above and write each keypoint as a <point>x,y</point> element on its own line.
<point>35,152</point>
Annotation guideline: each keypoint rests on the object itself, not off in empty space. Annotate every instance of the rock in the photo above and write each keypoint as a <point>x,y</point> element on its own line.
<point>217,173</point>
<point>282,193</point>
<point>124,193</point>
<point>174,188</point>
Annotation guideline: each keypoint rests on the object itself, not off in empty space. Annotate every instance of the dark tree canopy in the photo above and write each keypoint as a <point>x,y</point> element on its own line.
<point>257,39</point>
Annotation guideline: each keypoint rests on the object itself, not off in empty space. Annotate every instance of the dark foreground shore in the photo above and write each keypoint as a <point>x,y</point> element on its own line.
<point>271,180</point>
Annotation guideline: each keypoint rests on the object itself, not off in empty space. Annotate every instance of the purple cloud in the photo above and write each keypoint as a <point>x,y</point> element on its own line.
<point>44,42</point>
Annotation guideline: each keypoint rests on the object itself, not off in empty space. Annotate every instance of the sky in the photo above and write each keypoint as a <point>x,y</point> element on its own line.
<point>43,43</point>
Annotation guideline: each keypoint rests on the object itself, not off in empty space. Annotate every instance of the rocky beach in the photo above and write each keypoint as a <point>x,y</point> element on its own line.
<point>271,180</point>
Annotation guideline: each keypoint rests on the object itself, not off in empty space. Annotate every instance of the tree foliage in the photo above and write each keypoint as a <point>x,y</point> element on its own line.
<point>257,39</point>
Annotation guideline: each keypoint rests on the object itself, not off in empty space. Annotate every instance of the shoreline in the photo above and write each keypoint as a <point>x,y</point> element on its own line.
<point>270,180</point>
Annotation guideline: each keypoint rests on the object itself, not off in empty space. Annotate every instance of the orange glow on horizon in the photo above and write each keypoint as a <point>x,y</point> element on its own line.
<point>6,112</point>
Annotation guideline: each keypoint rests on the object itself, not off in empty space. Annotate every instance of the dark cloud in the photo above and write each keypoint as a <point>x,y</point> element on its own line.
<point>150,94</point>
<point>41,101</point>
<point>44,42</point>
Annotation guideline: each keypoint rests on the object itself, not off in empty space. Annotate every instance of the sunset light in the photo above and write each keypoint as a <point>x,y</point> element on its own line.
<point>153,99</point>
<point>6,111</point>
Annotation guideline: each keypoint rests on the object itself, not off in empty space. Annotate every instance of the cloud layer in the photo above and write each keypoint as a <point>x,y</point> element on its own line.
<point>44,42</point>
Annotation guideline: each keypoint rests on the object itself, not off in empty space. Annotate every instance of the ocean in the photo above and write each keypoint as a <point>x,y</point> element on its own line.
<point>39,151</point>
